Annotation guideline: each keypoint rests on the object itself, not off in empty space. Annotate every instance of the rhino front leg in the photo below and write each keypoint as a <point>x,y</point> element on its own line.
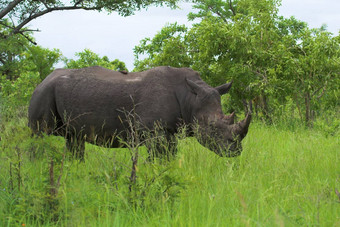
<point>164,146</point>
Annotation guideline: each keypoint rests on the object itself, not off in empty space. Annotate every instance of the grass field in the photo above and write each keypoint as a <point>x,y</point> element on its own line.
<point>282,178</point>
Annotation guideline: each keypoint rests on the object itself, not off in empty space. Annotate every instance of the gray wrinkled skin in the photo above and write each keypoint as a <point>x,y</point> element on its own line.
<point>90,104</point>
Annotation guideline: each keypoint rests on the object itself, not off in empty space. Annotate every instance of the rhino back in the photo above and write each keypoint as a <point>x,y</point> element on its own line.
<point>94,99</point>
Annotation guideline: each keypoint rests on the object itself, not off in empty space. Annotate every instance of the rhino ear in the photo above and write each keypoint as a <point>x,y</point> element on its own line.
<point>223,89</point>
<point>195,88</point>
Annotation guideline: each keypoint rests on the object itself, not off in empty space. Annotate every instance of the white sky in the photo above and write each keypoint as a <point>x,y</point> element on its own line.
<point>115,36</point>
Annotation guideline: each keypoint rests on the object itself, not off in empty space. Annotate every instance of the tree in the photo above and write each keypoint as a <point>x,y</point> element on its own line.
<point>314,69</point>
<point>24,11</point>
<point>11,53</point>
<point>21,12</point>
<point>41,60</point>
<point>272,60</point>
<point>88,58</point>
<point>233,40</point>
<point>168,47</point>
<point>238,40</point>
<point>18,55</point>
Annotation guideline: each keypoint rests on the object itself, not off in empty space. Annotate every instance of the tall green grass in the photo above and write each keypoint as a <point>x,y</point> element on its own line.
<point>282,178</point>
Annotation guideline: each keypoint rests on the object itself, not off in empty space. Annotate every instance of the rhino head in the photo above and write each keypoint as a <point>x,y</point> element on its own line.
<point>217,131</point>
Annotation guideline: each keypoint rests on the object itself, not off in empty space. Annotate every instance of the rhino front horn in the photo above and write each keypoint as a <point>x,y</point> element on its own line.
<point>242,126</point>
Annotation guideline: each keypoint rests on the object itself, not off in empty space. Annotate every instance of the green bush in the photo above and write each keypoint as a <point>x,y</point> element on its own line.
<point>15,95</point>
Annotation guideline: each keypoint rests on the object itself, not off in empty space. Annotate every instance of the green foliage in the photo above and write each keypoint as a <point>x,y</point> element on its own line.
<point>16,40</point>
<point>18,56</point>
<point>273,61</point>
<point>16,94</point>
<point>12,51</point>
<point>42,60</point>
<point>88,58</point>
<point>168,48</point>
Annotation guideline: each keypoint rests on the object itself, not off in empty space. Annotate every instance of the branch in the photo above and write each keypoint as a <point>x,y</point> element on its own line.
<point>31,30</point>
<point>218,13</point>
<point>45,4</point>
<point>48,10</point>
<point>232,8</point>
<point>6,25</point>
<point>78,2</point>
<point>27,37</point>
<point>2,61</point>
<point>323,91</point>
<point>10,6</point>
<point>21,33</point>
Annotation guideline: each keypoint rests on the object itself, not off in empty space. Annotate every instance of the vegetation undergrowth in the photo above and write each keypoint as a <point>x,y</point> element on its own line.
<point>283,177</point>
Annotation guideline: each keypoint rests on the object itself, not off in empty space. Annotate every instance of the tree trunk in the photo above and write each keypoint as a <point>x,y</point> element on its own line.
<point>256,106</point>
<point>308,110</point>
<point>9,72</point>
<point>265,108</point>
<point>250,103</point>
<point>299,107</point>
<point>245,106</point>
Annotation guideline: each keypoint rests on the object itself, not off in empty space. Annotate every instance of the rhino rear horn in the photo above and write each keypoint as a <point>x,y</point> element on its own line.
<point>241,128</point>
<point>224,88</point>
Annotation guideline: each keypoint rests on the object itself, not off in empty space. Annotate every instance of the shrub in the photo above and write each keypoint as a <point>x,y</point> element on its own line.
<point>15,95</point>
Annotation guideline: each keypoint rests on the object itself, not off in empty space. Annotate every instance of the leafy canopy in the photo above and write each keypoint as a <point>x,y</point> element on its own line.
<point>168,47</point>
<point>18,56</point>
<point>273,61</point>
<point>88,58</point>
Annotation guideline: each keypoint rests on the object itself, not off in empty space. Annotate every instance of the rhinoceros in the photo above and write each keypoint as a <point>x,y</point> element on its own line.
<point>91,104</point>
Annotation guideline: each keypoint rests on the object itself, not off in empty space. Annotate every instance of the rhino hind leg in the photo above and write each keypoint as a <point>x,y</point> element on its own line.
<point>43,120</point>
